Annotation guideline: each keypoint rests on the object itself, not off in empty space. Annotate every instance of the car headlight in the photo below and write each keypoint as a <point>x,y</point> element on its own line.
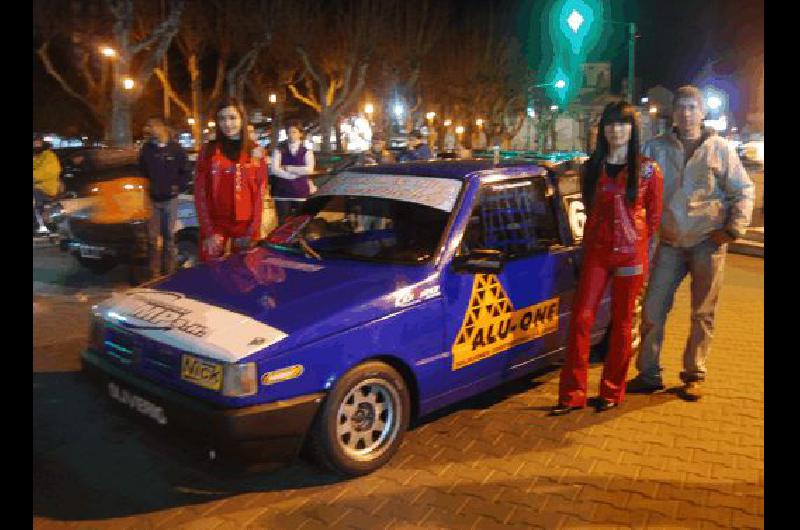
<point>239,380</point>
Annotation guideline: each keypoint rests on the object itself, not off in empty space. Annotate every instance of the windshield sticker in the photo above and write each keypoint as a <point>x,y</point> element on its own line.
<point>492,325</point>
<point>439,193</point>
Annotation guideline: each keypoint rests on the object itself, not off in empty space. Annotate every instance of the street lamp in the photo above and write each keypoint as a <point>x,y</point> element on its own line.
<point>273,98</point>
<point>190,121</point>
<point>653,110</point>
<point>554,107</point>
<point>645,100</point>
<point>108,51</point>
<point>448,123</point>
<point>459,129</point>
<point>369,109</point>
<point>212,124</point>
<point>714,102</point>
<point>575,20</point>
<point>479,122</point>
<point>430,116</point>
<point>398,110</point>
<point>127,83</point>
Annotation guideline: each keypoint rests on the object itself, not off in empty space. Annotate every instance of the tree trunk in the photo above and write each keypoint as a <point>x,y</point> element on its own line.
<point>120,126</point>
<point>197,98</point>
<point>325,123</point>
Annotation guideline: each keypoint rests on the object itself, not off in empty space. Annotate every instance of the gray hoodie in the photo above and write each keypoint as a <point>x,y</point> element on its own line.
<point>712,191</point>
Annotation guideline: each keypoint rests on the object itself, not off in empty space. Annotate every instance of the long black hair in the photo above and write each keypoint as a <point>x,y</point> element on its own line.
<point>616,112</point>
<point>232,148</point>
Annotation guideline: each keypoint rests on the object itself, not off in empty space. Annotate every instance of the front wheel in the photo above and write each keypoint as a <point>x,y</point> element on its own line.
<point>362,422</point>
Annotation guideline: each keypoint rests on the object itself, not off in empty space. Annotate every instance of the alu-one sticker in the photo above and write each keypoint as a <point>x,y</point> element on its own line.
<point>491,324</point>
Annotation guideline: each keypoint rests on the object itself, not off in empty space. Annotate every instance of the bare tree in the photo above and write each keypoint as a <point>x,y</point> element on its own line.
<point>412,29</point>
<point>132,65</point>
<point>335,62</point>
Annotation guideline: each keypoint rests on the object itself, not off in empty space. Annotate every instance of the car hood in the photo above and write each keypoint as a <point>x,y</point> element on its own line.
<point>264,299</point>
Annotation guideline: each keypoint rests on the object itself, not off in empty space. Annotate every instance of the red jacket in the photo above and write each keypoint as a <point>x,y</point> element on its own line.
<point>227,192</point>
<point>620,227</point>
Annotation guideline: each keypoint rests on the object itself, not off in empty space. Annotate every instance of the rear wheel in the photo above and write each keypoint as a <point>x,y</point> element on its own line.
<point>600,350</point>
<point>362,422</point>
<point>98,266</point>
<point>188,250</point>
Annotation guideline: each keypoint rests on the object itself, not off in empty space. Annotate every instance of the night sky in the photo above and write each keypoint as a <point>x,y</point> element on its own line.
<point>678,37</point>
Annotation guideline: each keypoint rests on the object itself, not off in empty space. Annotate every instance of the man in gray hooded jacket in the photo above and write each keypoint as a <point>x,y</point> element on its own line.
<point>708,201</point>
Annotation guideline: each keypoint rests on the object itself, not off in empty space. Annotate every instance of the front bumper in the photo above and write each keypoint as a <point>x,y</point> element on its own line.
<point>272,432</point>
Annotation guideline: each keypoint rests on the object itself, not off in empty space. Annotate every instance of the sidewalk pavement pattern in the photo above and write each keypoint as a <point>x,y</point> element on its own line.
<point>495,461</point>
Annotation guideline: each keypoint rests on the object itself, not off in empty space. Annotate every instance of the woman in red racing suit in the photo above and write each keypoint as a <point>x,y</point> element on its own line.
<point>229,185</point>
<point>622,193</point>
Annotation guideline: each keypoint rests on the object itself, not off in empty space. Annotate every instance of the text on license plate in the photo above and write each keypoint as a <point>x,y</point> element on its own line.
<point>91,252</point>
<point>137,403</point>
<point>208,375</point>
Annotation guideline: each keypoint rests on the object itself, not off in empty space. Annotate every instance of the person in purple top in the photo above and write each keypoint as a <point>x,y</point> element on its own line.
<point>292,162</point>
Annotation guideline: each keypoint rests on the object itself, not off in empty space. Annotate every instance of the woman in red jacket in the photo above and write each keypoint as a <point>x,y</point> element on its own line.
<point>622,192</point>
<point>229,185</point>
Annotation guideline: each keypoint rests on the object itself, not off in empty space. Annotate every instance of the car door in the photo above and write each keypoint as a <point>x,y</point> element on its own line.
<point>496,322</point>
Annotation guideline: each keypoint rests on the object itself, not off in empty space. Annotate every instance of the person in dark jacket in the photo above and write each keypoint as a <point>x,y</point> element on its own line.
<point>622,192</point>
<point>417,148</point>
<point>163,162</point>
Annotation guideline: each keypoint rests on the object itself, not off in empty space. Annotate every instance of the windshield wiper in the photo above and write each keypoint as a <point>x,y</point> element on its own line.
<point>307,250</point>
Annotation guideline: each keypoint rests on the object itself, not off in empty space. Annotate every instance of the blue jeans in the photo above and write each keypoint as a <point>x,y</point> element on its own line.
<point>162,225</point>
<point>705,264</point>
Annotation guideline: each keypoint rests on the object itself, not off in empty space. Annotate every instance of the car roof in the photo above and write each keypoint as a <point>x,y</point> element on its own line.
<point>455,169</point>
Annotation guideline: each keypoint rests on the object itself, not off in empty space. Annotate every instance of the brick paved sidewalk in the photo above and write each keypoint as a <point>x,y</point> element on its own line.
<point>496,461</point>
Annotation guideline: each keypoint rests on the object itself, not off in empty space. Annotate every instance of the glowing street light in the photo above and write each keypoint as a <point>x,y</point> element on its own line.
<point>190,121</point>
<point>653,110</point>
<point>645,100</point>
<point>273,98</point>
<point>431,115</point>
<point>479,122</point>
<point>448,123</point>
<point>554,107</point>
<point>127,83</point>
<point>369,109</point>
<point>212,124</point>
<point>398,109</point>
<point>575,21</point>
<point>108,51</point>
<point>459,129</point>
<point>714,102</point>
<point>560,84</point>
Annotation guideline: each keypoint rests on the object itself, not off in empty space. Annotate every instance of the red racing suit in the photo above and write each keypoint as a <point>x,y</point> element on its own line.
<point>616,239</point>
<point>228,196</point>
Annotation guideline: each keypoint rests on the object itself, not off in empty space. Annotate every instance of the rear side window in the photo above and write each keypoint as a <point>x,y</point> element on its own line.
<point>515,217</point>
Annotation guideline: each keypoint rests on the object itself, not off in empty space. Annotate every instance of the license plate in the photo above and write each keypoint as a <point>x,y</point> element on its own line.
<point>91,252</point>
<point>207,375</point>
<point>137,403</point>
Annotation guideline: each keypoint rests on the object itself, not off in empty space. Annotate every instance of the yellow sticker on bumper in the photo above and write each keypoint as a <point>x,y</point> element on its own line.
<point>492,325</point>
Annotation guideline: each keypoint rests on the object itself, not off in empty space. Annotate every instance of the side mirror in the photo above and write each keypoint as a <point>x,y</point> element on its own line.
<point>480,261</point>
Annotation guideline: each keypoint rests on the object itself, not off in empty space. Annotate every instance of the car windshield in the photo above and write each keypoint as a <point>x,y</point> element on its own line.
<point>383,218</point>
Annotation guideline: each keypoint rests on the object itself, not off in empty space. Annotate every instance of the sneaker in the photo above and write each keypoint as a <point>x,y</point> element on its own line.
<point>640,385</point>
<point>691,391</point>
<point>561,410</point>
<point>602,404</point>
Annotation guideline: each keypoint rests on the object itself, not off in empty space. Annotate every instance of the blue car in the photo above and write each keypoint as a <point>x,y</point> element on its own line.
<point>401,289</point>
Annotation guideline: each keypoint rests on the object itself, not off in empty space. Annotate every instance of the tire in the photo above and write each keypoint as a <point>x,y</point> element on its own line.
<point>98,266</point>
<point>362,421</point>
<point>600,350</point>
<point>188,251</point>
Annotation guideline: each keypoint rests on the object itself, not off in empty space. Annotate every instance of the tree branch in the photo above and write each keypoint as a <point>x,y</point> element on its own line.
<point>308,101</point>
<point>165,30</point>
<point>171,92</point>
<point>43,55</point>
